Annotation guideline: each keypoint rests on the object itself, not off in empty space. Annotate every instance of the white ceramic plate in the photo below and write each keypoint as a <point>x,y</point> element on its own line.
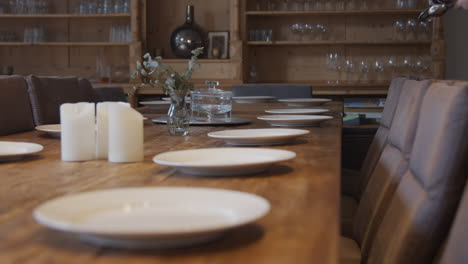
<point>16,150</point>
<point>263,136</point>
<point>297,111</point>
<point>215,122</point>
<point>52,130</point>
<point>295,120</point>
<point>252,99</point>
<point>223,161</point>
<point>151,217</point>
<point>304,101</point>
<point>187,98</point>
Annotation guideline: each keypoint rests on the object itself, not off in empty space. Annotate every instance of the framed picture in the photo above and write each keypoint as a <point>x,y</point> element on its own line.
<point>218,45</point>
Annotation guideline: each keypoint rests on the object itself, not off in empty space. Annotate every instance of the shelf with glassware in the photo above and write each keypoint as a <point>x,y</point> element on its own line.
<point>337,42</point>
<point>68,44</point>
<point>335,12</point>
<point>63,16</point>
<point>341,50</point>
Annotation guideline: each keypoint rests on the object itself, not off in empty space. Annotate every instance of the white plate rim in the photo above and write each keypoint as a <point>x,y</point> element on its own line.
<point>290,155</point>
<point>299,111</point>
<point>50,128</point>
<point>218,135</point>
<point>305,100</point>
<point>73,228</point>
<point>35,148</point>
<point>253,97</point>
<point>297,118</point>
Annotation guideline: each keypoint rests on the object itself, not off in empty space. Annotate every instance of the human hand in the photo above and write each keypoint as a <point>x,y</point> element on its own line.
<point>462,4</point>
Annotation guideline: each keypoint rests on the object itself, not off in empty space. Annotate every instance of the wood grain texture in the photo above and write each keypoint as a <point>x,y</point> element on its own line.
<point>302,226</point>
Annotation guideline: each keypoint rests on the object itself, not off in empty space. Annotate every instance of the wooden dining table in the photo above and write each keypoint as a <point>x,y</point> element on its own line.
<point>302,225</point>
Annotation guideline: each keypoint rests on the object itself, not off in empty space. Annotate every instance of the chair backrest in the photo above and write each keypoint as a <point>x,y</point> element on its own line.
<point>455,251</point>
<point>380,138</point>
<point>391,165</point>
<point>15,109</point>
<point>48,93</point>
<point>279,91</point>
<point>422,207</point>
<point>110,94</point>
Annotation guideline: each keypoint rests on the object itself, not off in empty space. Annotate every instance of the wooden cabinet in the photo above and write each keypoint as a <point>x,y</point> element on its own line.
<point>74,44</point>
<point>75,41</point>
<point>361,36</point>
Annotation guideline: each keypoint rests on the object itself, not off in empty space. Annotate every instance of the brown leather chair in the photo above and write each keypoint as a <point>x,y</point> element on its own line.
<point>48,93</point>
<point>396,144</point>
<point>15,109</point>
<point>105,93</point>
<point>455,250</point>
<point>419,212</point>
<point>353,182</point>
<point>279,91</point>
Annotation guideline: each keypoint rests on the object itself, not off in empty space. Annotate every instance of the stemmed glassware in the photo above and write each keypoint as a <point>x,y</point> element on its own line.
<point>399,30</point>
<point>364,68</point>
<point>349,69</point>
<point>411,29</point>
<point>103,6</point>
<point>120,33</point>
<point>297,30</point>
<point>29,6</point>
<point>34,34</point>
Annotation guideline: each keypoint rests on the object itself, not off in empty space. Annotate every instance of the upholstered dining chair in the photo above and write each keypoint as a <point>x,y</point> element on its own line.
<point>409,226</point>
<point>279,91</point>
<point>15,109</point>
<point>386,159</point>
<point>354,181</point>
<point>454,251</point>
<point>48,93</point>
<point>104,93</point>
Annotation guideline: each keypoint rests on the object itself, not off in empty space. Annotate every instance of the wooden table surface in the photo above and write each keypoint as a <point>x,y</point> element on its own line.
<point>302,226</point>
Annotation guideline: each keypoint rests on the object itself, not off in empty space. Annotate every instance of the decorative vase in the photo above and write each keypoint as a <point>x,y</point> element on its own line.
<point>187,37</point>
<point>178,117</point>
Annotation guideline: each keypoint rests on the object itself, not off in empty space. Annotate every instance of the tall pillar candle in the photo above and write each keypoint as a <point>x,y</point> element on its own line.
<point>125,134</point>
<point>78,131</point>
<point>102,128</point>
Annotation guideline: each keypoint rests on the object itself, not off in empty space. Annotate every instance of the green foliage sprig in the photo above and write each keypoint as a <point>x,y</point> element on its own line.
<point>155,73</point>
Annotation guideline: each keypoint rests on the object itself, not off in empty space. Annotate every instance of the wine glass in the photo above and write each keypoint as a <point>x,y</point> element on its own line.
<point>411,29</point>
<point>423,30</point>
<point>298,5</point>
<point>351,4</point>
<point>297,30</point>
<point>340,4</point>
<point>321,32</point>
<point>378,67</point>
<point>364,68</point>
<point>285,5</point>
<point>392,64</point>
<point>349,69</point>
<point>398,30</point>
<point>309,31</point>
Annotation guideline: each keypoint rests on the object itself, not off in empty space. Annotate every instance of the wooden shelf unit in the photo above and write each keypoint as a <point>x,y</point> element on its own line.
<point>65,16</point>
<point>355,34</point>
<point>74,41</point>
<point>67,44</point>
<point>336,12</point>
<point>337,42</point>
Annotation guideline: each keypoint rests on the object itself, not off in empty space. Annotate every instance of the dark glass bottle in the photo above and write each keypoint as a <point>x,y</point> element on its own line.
<point>187,37</point>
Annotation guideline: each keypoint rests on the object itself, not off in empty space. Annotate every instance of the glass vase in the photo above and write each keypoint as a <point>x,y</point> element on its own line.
<point>178,117</point>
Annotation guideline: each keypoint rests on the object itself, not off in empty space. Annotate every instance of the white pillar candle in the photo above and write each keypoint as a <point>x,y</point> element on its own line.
<point>102,128</point>
<point>125,134</point>
<point>78,131</point>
